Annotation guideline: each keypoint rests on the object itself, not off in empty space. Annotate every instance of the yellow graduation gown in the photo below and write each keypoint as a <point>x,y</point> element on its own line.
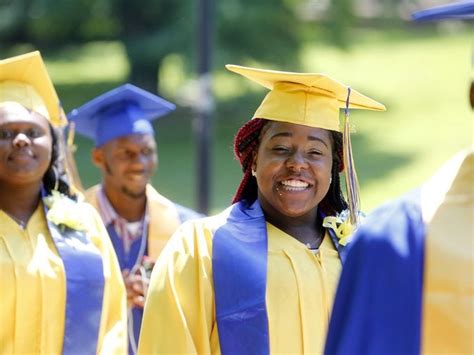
<point>180,311</point>
<point>164,218</point>
<point>33,288</point>
<point>448,292</point>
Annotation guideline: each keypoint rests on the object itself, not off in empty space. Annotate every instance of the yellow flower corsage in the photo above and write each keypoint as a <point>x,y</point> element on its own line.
<point>341,225</point>
<point>63,211</point>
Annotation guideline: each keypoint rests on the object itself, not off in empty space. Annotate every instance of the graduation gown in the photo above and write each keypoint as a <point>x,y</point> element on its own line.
<point>33,289</point>
<point>180,311</point>
<point>164,218</point>
<point>408,283</point>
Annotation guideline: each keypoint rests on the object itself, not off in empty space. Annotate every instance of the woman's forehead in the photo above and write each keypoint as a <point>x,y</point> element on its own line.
<point>12,112</point>
<point>282,129</point>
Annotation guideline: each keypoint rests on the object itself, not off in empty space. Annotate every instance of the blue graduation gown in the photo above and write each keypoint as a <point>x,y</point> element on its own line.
<point>377,309</point>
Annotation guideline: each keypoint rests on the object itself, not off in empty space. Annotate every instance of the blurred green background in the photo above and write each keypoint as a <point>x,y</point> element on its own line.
<point>420,72</point>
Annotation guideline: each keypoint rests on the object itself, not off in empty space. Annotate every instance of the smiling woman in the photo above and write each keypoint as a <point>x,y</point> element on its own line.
<point>25,144</point>
<point>260,276</point>
<point>58,268</point>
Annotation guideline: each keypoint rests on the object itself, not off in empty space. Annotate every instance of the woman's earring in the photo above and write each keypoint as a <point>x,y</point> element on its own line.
<point>254,173</point>
<point>330,180</point>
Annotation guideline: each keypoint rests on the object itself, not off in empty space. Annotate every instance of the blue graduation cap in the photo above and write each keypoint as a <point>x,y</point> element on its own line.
<point>461,10</point>
<point>119,112</point>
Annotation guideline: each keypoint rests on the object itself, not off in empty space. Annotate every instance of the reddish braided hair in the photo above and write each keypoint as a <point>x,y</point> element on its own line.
<point>334,201</point>
<point>245,147</point>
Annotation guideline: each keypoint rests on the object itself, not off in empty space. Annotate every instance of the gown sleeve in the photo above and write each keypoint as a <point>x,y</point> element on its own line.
<point>377,309</point>
<point>179,310</point>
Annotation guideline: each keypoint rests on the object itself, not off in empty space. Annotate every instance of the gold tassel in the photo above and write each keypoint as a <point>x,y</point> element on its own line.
<point>68,148</point>
<point>352,183</point>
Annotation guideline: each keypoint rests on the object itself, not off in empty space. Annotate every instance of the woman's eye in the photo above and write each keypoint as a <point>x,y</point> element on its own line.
<point>34,133</point>
<point>280,149</point>
<point>6,134</point>
<point>315,152</point>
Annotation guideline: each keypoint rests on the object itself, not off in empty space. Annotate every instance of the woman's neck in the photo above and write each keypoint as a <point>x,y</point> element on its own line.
<point>305,229</point>
<point>20,201</point>
<point>130,208</point>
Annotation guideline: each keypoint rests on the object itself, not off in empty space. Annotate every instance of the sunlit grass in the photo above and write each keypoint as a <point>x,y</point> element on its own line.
<point>92,62</point>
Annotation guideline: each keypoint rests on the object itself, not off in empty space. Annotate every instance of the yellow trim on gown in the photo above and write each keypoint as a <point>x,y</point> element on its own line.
<point>33,289</point>
<point>179,313</point>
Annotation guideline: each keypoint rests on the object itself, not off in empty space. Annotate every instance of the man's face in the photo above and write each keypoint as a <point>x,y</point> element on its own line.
<point>127,163</point>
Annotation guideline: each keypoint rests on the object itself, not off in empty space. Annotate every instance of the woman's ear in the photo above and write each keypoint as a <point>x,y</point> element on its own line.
<point>254,161</point>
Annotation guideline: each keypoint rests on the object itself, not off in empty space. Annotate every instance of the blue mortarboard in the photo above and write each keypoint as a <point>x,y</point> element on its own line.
<point>462,10</point>
<point>119,112</point>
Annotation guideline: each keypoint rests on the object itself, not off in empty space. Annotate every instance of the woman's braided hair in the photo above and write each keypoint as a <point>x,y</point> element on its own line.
<point>55,177</point>
<point>245,147</point>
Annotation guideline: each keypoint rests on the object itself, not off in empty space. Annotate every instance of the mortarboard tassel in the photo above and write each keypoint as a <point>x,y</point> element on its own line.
<point>67,149</point>
<point>352,184</point>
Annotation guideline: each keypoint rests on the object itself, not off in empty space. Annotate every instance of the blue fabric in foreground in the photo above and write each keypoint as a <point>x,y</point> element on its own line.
<point>461,10</point>
<point>84,289</point>
<point>378,304</point>
<point>239,263</point>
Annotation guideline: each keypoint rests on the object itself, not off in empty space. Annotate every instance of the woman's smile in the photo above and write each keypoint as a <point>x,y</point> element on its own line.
<point>293,185</point>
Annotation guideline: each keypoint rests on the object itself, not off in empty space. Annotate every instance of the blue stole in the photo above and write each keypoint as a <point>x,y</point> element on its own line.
<point>84,289</point>
<point>128,261</point>
<point>378,304</point>
<point>239,264</point>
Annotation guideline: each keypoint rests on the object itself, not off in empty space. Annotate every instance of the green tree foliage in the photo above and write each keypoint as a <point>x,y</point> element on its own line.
<point>150,30</point>
<point>264,30</point>
<point>55,23</point>
<point>245,30</point>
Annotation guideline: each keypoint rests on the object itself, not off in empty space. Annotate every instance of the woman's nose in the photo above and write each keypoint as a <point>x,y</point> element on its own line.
<point>21,140</point>
<point>297,162</point>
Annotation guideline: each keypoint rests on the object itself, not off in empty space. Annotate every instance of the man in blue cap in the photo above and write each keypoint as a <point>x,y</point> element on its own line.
<point>139,220</point>
<point>407,284</point>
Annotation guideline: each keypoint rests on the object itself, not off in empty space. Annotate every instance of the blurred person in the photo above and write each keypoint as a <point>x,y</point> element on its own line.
<point>62,291</point>
<point>139,219</point>
<point>408,285</point>
<point>260,276</point>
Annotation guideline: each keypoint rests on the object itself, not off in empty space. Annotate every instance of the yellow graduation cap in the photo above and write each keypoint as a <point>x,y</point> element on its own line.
<point>25,80</point>
<point>304,98</point>
<point>313,100</point>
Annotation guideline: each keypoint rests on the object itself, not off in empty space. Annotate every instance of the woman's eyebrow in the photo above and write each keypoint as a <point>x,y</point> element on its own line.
<point>313,138</point>
<point>289,134</point>
<point>281,134</point>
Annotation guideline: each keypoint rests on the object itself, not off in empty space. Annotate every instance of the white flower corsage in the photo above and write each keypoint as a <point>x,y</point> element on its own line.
<point>63,211</point>
<point>342,226</point>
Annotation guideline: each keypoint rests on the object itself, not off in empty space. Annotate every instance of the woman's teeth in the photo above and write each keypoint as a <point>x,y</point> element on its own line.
<point>294,185</point>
